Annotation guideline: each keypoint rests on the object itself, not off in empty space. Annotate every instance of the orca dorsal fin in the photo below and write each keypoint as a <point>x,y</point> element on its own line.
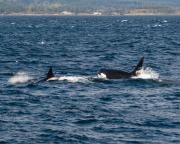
<point>139,65</point>
<point>50,73</point>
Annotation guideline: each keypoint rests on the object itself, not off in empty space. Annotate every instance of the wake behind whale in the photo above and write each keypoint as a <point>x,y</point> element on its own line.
<point>104,74</point>
<point>25,77</point>
<point>147,74</point>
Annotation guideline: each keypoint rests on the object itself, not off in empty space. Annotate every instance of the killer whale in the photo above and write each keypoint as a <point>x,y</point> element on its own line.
<point>48,76</point>
<point>119,74</point>
<point>23,77</point>
<point>107,73</point>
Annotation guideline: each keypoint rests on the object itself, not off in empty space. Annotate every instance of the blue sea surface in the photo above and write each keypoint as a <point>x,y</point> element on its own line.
<point>79,107</point>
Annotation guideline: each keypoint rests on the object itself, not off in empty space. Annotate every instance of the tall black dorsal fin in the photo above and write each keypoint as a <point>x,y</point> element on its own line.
<point>139,65</point>
<point>50,73</point>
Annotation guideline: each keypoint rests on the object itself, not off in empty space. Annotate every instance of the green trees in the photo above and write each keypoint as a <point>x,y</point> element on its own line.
<point>107,7</point>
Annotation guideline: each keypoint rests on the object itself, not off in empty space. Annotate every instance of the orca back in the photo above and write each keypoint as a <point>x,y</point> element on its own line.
<point>118,74</point>
<point>114,74</point>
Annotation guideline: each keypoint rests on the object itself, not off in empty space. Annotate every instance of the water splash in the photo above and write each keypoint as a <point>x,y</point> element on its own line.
<point>147,73</point>
<point>19,78</point>
<point>72,79</point>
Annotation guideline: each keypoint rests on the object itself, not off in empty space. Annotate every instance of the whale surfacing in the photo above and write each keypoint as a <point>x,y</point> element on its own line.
<point>50,75</point>
<point>119,74</point>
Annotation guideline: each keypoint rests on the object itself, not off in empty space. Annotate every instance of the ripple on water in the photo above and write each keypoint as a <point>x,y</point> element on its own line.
<point>79,107</point>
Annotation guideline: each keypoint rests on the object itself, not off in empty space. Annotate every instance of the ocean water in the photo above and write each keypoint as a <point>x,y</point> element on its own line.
<point>79,107</point>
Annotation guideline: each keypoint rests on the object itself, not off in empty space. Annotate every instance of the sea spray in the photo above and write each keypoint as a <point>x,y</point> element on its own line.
<point>19,78</point>
<point>72,79</point>
<point>147,73</point>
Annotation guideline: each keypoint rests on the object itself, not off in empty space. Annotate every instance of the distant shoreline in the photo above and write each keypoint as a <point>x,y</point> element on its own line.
<point>130,14</point>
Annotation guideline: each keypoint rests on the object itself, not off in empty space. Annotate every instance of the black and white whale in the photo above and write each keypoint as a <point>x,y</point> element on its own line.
<point>24,78</point>
<point>119,74</point>
<point>49,76</point>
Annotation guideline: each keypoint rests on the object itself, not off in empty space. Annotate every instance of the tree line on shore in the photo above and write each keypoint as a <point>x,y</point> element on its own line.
<point>58,6</point>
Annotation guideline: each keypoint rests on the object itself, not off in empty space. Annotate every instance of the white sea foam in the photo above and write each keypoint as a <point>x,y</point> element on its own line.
<point>19,78</point>
<point>72,79</point>
<point>157,25</point>
<point>165,21</point>
<point>124,20</point>
<point>147,73</point>
<point>42,42</point>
